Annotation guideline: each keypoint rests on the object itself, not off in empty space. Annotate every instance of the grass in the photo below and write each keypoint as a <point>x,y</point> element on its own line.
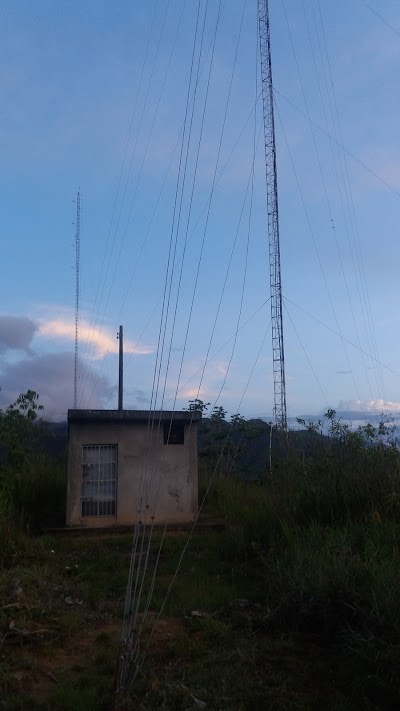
<point>31,497</point>
<point>304,624</point>
<point>293,606</point>
<point>77,643</point>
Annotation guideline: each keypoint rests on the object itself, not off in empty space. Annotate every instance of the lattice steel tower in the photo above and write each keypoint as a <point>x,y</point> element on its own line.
<point>77,261</point>
<point>278,355</point>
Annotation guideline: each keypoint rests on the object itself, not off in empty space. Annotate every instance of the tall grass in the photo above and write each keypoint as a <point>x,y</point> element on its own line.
<point>32,483</point>
<point>32,496</point>
<point>347,482</point>
<point>323,534</point>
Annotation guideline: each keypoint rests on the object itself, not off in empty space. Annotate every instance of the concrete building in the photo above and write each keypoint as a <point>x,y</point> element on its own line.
<point>118,457</point>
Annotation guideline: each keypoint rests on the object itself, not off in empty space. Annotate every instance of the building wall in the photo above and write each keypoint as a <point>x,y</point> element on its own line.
<point>166,473</point>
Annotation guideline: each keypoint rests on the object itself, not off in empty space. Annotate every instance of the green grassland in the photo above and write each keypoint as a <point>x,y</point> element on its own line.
<point>292,604</point>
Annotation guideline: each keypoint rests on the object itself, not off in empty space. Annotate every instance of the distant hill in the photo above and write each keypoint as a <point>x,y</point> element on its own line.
<point>248,446</point>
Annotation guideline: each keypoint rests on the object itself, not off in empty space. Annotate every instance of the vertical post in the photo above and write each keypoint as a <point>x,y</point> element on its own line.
<point>77,259</point>
<point>121,368</point>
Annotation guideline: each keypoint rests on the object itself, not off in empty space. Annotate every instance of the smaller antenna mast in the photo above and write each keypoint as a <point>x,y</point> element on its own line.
<point>77,260</point>
<point>120,336</point>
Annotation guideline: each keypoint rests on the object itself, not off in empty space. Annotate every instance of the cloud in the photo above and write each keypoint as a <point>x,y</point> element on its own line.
<point>135,397</point>
<point>16,333</point>
<point>192,393</point>
<point>193,373</point>
<point>374,406</point>
<point>101,341</point>
<point>51,376</point>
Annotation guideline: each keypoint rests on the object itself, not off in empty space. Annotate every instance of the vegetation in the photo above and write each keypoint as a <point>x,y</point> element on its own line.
<point>32,481</point>
<point>293,605</point>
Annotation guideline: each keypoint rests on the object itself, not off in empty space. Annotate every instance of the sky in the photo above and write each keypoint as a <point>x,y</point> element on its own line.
<point>153,112</point>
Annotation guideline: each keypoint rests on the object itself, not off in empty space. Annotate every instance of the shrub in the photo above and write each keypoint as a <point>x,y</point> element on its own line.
<point>32,483</point>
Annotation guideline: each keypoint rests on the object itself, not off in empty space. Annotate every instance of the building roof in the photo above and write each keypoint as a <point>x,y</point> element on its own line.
<point>138,416</point>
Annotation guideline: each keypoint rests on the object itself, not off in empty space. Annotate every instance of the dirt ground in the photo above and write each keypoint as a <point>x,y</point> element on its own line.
<point>61,609</point>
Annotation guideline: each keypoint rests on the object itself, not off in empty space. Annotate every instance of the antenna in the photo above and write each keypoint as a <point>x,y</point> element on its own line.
<point>77,260</point>
<point>120,336</point>
<point>278,355</point>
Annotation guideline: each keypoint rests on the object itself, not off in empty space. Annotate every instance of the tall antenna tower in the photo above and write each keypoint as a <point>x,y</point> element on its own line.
<point>278,355</point>
<point>77,261</point>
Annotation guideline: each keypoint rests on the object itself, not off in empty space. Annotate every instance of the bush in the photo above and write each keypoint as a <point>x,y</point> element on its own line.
<point>36,493</point>
<point>32,483</point>
<point>323,532</point>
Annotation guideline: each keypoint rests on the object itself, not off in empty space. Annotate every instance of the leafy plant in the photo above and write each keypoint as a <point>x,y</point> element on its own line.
<point>32,483</point>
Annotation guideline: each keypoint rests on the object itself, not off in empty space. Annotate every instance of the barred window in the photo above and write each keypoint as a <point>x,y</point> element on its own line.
<point>99,480</point>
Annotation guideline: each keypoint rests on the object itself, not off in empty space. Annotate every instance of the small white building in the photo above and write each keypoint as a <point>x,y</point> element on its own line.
<point>123,460</point>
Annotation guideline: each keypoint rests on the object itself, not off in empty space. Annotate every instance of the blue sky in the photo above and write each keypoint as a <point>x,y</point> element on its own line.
<point>93,96</point>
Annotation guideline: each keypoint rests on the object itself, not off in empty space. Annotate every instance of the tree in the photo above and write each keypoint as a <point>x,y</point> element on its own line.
<point>218,414</point>
<point>197,405</point>
<point>19,431</point>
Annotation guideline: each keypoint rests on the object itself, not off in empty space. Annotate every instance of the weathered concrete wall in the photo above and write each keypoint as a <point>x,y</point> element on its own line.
<point>165,474</point>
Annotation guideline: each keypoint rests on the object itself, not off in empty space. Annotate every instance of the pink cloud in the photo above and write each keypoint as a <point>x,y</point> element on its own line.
<point>101,341</point>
